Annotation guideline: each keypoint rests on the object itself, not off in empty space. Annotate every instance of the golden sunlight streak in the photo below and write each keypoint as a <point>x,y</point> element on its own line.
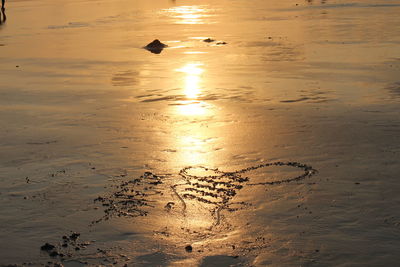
<point>194,148</point>
<point>189,14</point>
<point>192,91</point>
<point>192,79</point>
<point>191,108</point>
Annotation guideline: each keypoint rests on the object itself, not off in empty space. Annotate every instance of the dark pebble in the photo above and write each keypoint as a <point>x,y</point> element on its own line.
<point>54,254</point>
<point>156,44</point>
<point>188,248</point>
<point>74,236</point>
<point>47,247</point>
<point>208,40</point>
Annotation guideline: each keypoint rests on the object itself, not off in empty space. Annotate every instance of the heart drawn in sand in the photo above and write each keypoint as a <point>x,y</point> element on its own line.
<point>212,187</point>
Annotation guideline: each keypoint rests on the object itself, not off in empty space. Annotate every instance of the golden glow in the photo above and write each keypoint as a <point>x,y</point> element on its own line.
<point>194,52</point>
<point>193,139</point>
<point>192,69</point>
<point>191,108</point>
<point>194,147</point>
<point>192,79</point>
<point>189,14</point>
<point>192,90</point>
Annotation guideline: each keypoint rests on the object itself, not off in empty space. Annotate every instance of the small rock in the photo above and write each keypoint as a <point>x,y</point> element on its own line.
<point>169,206</point>
<point>221,43</point>
<point>47,247</point>
<point>189,248</point>
<point>54,254</point>
<point>208,40</point>
<point>155,47</point>
<point>74,236</point>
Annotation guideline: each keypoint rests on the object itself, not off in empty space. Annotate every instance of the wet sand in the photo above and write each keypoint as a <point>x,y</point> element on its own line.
<point>265,133</point>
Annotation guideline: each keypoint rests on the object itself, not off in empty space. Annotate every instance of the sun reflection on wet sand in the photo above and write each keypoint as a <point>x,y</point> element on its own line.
<point>191,137</point>
<point>194,108</point>
<point>189,14</point>
<point>194,140</point>
<point>194,148</point>
<point>193,79</point>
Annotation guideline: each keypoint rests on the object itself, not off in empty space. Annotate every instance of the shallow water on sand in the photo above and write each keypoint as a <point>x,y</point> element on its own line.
<point>277,143</point>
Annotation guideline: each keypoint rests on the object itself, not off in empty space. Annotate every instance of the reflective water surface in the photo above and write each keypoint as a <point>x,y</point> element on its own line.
<point>266,133</point>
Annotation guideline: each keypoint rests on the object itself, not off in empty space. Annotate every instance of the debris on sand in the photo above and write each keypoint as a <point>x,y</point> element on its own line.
<point>155,47</point>
<point>222,43</point>
<point>74,236</point>
<point>169,206</point>
<point>131,199</point>
<point>61,250</point>
<point>47,247</point>
<point>208,40</point>
<point>189,248</point>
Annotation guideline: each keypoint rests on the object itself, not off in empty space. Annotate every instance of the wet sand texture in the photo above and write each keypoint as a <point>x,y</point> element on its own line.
<point>199,133</point>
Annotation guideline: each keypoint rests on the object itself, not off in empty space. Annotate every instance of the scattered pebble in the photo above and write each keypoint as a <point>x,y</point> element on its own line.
<point>169,206</point>
<point>208,40</point>
<point>74,236</point>
<point>47,247</point>
<point>189,248</point>
<point>54,254</point>
<point>155,47</point>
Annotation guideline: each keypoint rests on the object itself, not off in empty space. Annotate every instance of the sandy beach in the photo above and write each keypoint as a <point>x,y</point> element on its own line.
<point>263,133</point>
